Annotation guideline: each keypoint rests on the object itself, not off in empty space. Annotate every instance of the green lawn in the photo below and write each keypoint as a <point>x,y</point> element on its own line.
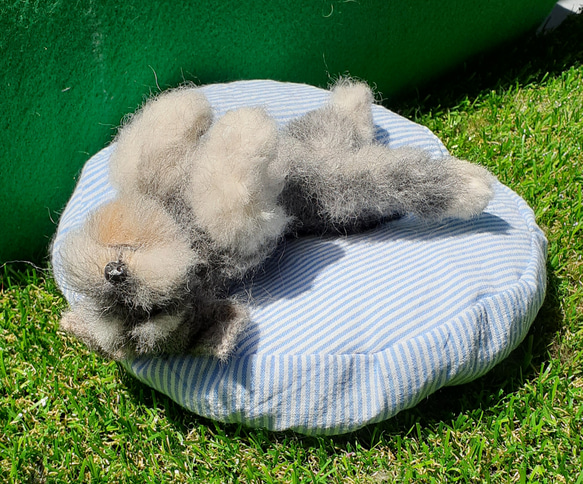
<point>66,415</point>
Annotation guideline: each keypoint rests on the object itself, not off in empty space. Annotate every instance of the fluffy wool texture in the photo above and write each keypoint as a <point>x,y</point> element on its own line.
<point>203,202</point>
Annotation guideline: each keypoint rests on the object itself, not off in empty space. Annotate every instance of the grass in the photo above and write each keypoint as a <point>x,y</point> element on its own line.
<point>68,416</point>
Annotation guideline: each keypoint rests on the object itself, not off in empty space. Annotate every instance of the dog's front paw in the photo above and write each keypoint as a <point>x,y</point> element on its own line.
<point>236,156</point>
<point>151,148</point>
<point>227,321</point>
<point>159,334</point>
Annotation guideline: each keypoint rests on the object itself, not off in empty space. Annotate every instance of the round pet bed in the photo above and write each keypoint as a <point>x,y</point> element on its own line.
<point>348,331</point>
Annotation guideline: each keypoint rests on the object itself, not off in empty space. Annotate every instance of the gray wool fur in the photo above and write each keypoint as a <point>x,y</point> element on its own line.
<point>203,202</point>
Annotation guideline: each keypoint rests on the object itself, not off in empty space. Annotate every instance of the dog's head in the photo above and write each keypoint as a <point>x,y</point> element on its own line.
<point>129,257</point>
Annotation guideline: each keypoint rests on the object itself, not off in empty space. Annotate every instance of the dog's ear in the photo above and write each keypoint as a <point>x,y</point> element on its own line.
<point>101,333</point>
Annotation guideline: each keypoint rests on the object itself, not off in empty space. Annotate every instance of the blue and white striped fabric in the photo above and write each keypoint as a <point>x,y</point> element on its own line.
<point>349,331</point>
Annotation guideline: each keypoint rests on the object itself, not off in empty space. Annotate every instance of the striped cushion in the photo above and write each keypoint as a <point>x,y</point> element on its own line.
<point>349,331</point>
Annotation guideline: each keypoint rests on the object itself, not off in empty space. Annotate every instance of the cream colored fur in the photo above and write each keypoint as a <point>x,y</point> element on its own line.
<point>150,155</point>
<point>235,182</point>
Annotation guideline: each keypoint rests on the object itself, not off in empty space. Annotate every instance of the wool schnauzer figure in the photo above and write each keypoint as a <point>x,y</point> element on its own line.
<point>202,202</point>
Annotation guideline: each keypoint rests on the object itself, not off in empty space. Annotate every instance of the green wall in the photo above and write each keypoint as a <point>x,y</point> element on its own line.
<point>71,69</point>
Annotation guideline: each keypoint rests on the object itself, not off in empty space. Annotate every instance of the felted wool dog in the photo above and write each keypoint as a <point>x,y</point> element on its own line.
<point>203,202</point>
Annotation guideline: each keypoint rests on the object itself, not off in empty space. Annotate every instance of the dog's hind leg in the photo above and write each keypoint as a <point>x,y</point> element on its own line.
<point>380,183</point>
<point>340,178</point>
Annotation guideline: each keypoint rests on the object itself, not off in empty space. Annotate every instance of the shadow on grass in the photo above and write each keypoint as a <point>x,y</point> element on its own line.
<point>530,59</point>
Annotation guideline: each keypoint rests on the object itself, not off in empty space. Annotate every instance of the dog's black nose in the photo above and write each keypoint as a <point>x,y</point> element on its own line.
<point>115,272</point>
